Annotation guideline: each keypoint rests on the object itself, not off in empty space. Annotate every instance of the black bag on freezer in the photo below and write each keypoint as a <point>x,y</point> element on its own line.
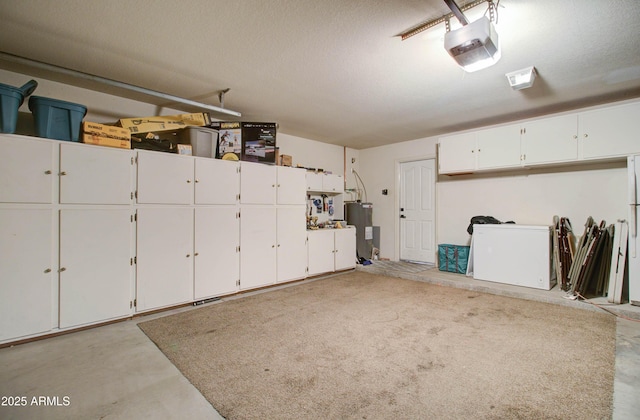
<point>482,220</point>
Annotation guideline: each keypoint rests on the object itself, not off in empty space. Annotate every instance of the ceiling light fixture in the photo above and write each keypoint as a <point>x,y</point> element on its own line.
<point>522,79</point>
<point>475,45</point>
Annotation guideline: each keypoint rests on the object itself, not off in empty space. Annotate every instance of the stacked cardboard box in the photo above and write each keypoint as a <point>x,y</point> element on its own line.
<point>165,123</point>
<point>248,141</point>
<point>106,135</point>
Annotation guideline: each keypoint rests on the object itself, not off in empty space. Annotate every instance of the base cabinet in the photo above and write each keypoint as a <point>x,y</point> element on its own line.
<point>216,252</point>
<point>257,246</point>
<point>26,272</point>
<point>164,257</point>
<point>331,250</point>
<point>291,246</point>
<point>96,272</point>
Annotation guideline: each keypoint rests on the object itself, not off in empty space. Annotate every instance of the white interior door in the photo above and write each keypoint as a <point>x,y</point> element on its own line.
<point>417,211</point>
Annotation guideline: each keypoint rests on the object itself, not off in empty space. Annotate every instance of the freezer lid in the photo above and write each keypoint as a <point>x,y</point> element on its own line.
<point>510,226</point>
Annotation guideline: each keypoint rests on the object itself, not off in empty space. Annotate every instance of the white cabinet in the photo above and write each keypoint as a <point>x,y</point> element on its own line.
<point>493,148</point>
<point>95,175</point>
<point>27,170</point>
<point>164,257</point>
<point>291,185</point>
<point>331,250</point>
<point>314,181</point>
<point>165,178</point>
<point>291,246</point>
<point>217,258</point>
<point>550,140</point>
<point>332,183</point>
<point>324,183</point>
<point>345,248</point>
<point>216,181</point>
<point>257,183</point>
<point>610,132</point>
<point>26,272</point>
<point>321,246</point>
<point>498,147</point>
<point>257,246</point>
<point>457,153</point>
<point>95,265</point>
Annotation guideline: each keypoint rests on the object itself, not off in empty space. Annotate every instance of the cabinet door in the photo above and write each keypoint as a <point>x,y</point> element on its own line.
<point>457,153</point>
<point>499,147</point>
<point>95,265</point>
<point>165,178</point>
<point>95,175</point>
<point>257,183</point>
<point>26,264</point>
<point>217,259</point>
<point>291,187</point>
<point>321,253</point>
<point>165,260</point>
<point>550,140</point>
<point>257,246</point>
<point>332,183</point>
<point>345,248</point>
<point>610,132</point>
<point>292,243</point>
<point>27,170</point>
<point>216,181</point>
<point>314,181</point>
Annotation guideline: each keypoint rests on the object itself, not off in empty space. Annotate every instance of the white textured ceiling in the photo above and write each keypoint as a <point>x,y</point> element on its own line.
<point>334,70</point>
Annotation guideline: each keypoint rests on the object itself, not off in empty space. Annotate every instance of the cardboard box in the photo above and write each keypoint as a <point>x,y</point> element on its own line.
<point>229,145</point>
<point>259,142</point>
<point>106,141</point>
<point>286,160</point>
<point>165,123</point>
<point>107,131</point>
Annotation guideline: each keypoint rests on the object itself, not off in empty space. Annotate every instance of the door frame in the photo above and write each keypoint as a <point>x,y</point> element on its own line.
<point>396,211</point>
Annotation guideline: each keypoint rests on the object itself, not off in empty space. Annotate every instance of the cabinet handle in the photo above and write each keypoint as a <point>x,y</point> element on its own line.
<point>197,180</point>
<point>47,172</point>
<point>188,181</point>
<point>273,246</point>
<point>586,135</point>
<point>62,269</point>
<point>575,137</point>
<point>48,270</point>
<point>195,254</point>
<point>188,255</point>
<point>63,173</point>
<point>278,245</point>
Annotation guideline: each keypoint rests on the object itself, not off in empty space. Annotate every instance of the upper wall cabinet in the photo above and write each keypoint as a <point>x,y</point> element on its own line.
<point>318,182</point>
<point>95,175</point>
<point>165,178</point>
<point>21,183</point>
<point>291,185</point>
<point>603,133</point>
<point>492,148</point>
<point>216,181</point>
<point>610,132</point>
<point>550,140</point>
<point>257,183</point>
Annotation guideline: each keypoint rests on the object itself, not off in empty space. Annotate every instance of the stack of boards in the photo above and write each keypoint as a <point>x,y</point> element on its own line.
<point>595,266</point>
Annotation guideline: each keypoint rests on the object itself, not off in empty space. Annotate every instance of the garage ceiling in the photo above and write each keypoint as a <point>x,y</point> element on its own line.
<point>336,71</point>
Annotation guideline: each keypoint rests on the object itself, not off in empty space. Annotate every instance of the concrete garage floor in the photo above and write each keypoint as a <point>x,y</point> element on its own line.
<point>116,372</point>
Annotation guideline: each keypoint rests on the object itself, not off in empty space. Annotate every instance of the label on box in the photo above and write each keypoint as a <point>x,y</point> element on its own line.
<point>229,140</point>
<point>165,123</point>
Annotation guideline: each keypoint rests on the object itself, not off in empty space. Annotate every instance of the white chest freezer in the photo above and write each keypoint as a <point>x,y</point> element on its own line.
<point>514,254</point>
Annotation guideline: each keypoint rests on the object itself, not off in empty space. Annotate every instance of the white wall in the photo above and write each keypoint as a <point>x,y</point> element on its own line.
<point>379,171</point>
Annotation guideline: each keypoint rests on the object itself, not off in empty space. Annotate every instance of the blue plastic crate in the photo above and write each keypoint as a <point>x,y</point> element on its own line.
<point>453,258</point>
<point>56,119</point>
<point>10,100</point>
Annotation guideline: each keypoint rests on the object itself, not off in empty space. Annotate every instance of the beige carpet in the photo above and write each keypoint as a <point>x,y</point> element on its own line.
<point>362,346</point>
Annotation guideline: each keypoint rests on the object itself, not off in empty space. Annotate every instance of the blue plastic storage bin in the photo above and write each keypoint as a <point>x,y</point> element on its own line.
<point>10,100</point>
<point>453,258</point>
<point>56,119</point>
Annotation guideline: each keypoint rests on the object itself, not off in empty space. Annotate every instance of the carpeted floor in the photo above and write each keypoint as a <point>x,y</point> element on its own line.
<point>373,347</point>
